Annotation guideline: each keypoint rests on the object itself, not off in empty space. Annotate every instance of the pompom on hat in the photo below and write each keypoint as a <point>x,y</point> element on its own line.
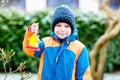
<point>63,14</point>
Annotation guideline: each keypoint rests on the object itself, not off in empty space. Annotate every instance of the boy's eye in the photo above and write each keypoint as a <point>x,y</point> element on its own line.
<point>67,26</point>
<point>58,25</point>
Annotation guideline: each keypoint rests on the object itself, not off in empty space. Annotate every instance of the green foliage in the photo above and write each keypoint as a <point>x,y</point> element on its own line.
<point>113,57</point>
<point>90,26</point>
<point>13,24</point>
<point>12,28</point>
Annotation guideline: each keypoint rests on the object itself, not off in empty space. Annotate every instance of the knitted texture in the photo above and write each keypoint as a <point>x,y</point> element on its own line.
<point>63,14</point>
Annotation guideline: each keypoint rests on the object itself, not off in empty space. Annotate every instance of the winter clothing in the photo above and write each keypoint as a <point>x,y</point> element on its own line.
<point>65,59</point>
<point>61,61</point>
<point>63,14</point>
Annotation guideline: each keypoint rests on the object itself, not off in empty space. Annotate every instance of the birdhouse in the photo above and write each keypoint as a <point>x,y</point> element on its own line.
<point>33,43</point>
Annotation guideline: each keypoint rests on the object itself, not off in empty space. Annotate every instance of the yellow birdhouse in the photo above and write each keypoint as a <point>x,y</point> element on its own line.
<point>33,42</point>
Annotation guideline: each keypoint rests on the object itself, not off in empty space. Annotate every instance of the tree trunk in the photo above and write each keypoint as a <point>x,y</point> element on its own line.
<point>100,47</point>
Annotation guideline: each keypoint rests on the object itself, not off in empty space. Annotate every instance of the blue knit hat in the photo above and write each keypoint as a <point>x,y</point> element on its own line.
<point>63,14</point>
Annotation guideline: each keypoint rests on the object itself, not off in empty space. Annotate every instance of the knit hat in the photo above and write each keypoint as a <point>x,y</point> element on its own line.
<point>63,14</point>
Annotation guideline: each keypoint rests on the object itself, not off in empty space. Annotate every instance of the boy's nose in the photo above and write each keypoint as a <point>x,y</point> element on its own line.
<point>62,28</point>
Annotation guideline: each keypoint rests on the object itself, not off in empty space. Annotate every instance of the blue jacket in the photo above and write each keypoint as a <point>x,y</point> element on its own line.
<point>60,60</point>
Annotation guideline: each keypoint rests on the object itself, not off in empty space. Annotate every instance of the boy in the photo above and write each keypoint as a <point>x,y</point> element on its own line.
<point>62,56</point>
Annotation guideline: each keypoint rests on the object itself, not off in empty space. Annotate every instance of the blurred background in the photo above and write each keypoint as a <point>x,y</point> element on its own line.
<point>91,21</point>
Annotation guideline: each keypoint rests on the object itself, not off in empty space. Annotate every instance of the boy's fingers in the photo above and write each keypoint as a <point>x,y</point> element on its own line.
<point>34,28</point>
<point>35,25</point>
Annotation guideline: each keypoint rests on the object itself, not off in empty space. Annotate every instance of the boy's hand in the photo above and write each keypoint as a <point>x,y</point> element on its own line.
<point>34,28</point>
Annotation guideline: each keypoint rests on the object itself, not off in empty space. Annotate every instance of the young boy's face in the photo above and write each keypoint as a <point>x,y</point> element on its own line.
<point>62,30</point>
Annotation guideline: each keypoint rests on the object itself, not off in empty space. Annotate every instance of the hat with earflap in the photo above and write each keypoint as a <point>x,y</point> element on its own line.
<point>63,14</point>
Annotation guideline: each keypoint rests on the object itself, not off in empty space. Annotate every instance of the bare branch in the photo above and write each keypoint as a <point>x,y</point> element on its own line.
<point>3,2</point>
